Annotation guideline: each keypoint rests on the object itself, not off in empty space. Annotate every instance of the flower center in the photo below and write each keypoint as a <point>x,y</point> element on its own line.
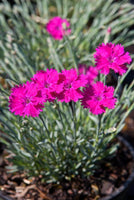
<point>27,100</point>
<point>68,86</point>
<point>98,98</point>
<point>111,59</point>
<point>47,85</point>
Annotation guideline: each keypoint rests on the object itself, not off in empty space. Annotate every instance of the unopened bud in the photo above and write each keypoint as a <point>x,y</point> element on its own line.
<point>109,30</point>
<point>107,35</point>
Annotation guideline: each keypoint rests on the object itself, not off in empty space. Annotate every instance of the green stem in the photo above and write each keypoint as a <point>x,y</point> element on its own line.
<point>74,119</point>
<point>99,124</point>
<point>49,141</point>
<point>71,53</point>
<point>60,115</point>
<point>45,126</point>
<point>118,85</point>
<point>125,116</point>
<point>121,79</point>
<point>98,129</point>
<point>105,80</point>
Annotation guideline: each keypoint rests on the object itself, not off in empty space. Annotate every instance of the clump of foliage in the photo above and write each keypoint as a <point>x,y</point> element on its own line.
<point>65,140</point>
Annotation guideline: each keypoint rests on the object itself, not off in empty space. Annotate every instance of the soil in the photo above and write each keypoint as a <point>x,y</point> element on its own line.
<point>111,174</point>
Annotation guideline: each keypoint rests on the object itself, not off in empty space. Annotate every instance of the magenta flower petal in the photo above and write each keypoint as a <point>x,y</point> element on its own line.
<point>90,72</point>
<point>110,56</point>
<point>48,82</point>
<point>97,97</point>
<point>58,27</point>
<point>26,100</point>
<point>71,85</point>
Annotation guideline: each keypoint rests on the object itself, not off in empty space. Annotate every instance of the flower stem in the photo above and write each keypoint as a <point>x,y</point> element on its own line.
<point>72,53</point>
<point>99,124</point>
<point>60,115</point>
<point>72,105</point>
<point>105,80</point>
<point>49,141</point>
<point>98,129</point>
<point>45,126</point>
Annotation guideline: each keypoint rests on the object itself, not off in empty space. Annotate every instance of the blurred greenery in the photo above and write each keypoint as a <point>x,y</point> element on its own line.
<point>26,47</point>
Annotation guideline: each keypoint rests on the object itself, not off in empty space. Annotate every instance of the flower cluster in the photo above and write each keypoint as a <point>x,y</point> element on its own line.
<point>28,99</point>
<point>58,27</point>
<point>50,85</point>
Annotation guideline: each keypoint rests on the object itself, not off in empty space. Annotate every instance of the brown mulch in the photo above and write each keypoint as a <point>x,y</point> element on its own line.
<point>111,174</point>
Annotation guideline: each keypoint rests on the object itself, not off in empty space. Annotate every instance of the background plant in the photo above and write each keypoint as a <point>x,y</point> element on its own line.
<point>25,47</point>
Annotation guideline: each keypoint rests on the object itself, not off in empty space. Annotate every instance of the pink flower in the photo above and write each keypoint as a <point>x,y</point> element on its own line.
<point>97,97</point>
<point>48,82</point>
<point>71,85</point>
<point>90,72</point>
<point>58,27</point>
<point>110,56</point>
<point>26,100</point>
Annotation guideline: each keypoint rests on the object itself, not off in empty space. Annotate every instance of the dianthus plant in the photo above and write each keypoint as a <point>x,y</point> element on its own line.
<point>64,120</point>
